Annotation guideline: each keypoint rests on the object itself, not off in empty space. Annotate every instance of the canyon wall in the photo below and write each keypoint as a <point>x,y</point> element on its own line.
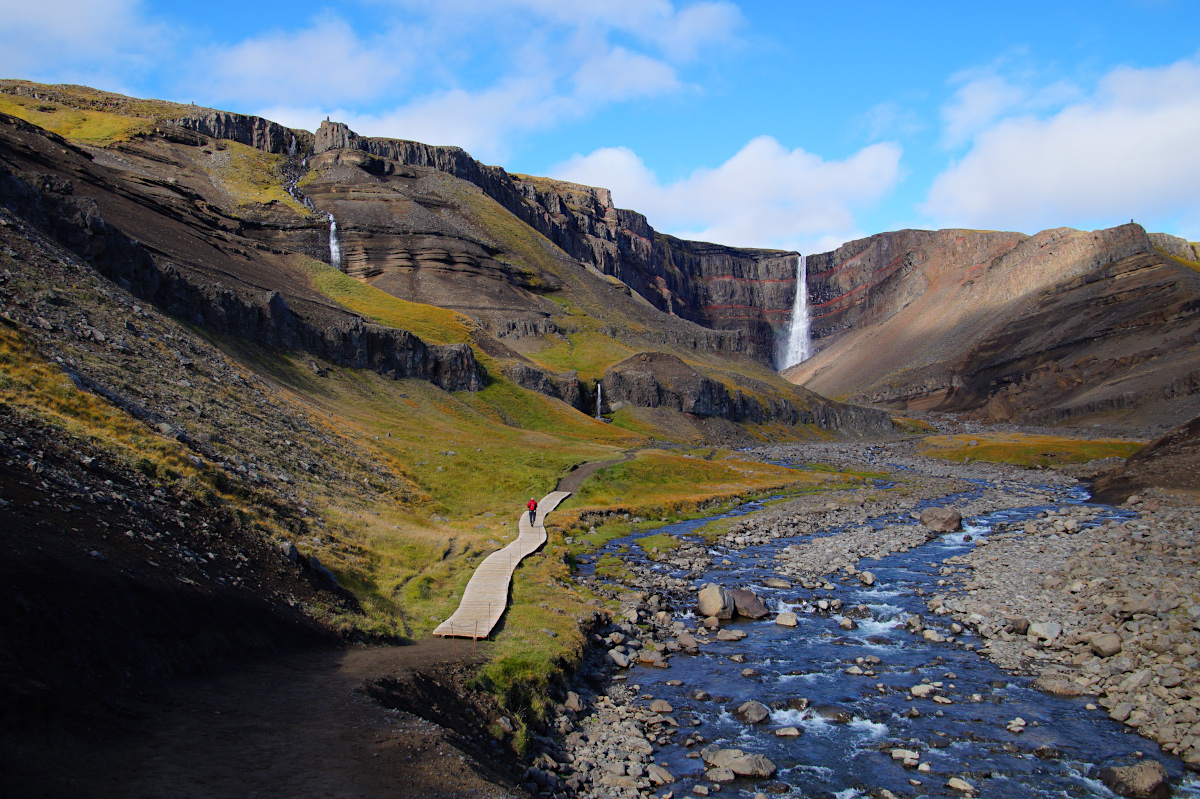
<point>724,288</point>
<point>1057,326</point>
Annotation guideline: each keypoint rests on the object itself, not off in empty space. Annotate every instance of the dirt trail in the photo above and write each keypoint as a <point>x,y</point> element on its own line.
<point>575,479</point>
<point>296,727</point>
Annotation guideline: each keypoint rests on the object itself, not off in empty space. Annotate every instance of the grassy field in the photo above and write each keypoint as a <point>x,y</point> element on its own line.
<point>1026,450</point>
<point>93,127</point>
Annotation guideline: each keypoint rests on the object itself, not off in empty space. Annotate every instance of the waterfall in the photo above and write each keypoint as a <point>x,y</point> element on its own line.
<point>292,147</point>
<point>335,246</point>
<point>599,397</point>
<point>799,345</point>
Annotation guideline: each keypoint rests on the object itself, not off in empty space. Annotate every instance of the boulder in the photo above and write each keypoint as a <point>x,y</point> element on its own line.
<point>731,635</point>
<point>746,603</point>
<point>720,775</point>
<point>758,766</point>
<point>942,520</point>
<point>752,712</point>
<point>715,601</point>
<point>573,703</point>
<point>1141,781</point>
<point>1106,645</point>
<point>1045,630</point>
<point>713,755</point>
<point>659,775</point>
<point>787,619</point>
<point>866,578</point>
<point>960,785</point>
<point>775,582</point>
<point>620,660</point>
<point>661,706</point>
<point>788,732</point>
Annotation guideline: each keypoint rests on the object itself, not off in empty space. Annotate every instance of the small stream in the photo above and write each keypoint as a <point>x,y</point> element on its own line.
<point>852,722</point>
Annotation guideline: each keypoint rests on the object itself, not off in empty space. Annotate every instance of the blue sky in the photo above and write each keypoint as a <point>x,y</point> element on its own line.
<point>779,124</point>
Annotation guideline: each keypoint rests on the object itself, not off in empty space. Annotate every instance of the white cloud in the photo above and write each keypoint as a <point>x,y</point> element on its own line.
<point>1129,150</point>
<point>976,105</point>
<point>324,62</point>
<point>765,195</point>
<point>79,40</point>
<point>619,75</point>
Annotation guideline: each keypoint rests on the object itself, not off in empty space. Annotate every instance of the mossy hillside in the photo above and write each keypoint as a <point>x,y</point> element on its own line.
<point>89,126</point>
<point>85,98</point>
<point>431,324</point>
<point>248,175</point>
<point>1026,449</point>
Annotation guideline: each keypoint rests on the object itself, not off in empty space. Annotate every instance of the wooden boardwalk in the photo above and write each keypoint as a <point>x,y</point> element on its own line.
<point>486,597</point>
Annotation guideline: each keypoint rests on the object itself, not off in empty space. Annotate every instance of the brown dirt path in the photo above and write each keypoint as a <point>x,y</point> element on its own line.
<point>294,727</point>
<point>575,479</point>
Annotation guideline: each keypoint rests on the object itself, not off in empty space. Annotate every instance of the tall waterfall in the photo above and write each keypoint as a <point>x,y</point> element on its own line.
<point>335,246</point>
<point>799,345</point>
<point>599,398</point>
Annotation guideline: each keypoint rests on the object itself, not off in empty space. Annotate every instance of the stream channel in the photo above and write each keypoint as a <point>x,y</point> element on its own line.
<point>851,723</point>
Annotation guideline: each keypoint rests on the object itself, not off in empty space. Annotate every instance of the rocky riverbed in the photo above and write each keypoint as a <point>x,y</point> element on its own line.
<point>1097,604</point>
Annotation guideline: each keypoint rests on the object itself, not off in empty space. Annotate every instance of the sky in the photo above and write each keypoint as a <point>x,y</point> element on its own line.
<point>796,125</point>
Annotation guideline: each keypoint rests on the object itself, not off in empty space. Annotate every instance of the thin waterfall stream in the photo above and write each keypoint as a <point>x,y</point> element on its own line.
<point>798,346</point>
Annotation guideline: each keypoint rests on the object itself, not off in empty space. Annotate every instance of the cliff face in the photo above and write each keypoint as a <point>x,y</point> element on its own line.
<point>1057,326</point>
<point>187,265</point>
<point>724,288</point>
<point>660,380</point>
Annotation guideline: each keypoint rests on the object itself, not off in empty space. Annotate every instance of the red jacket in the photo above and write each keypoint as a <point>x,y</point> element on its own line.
<point>532,504</point>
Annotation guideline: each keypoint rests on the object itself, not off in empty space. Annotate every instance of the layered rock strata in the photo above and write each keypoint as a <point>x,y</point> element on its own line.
<point>660,380</point>
<point>71,203</point>
<point>1042,329</point>
<point>725,288</point>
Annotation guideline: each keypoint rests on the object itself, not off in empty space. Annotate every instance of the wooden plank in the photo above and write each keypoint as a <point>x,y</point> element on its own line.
<point>486,597</point>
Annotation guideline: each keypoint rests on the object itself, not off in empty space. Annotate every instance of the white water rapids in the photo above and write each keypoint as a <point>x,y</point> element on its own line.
<point>799,344</point>
<point>335,246</point>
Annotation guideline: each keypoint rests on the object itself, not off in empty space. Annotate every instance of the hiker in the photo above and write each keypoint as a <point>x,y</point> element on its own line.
<point>532,505</point>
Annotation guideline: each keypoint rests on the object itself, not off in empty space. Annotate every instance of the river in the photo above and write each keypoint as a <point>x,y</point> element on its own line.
<point>850,723</point>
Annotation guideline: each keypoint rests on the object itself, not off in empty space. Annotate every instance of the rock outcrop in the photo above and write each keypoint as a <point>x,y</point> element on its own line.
<point>660,380</point>
<point>1171,462</point>
<point>253,131</point>
<point>560,386</point>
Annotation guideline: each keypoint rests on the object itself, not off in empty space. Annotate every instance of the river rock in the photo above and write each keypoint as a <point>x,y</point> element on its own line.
<point>752,712</point>
<point>713,600</point>
<point>960,785</point>
<point>1045,630</point>
<point>1106,645</point>
<point>620,660</point>
<point>1141,781</point>
<point>573,703</point>
<point>788,732</point>
<point>942,520</point>
<point>866,578</point>
<point>720,775</point>
<point>659,775</point>
<point>787,619</point>
<point>731,635</point>
<point>661,706</point>
<point>746,603</point>
<point>758,766</point>
<point>775,582</point>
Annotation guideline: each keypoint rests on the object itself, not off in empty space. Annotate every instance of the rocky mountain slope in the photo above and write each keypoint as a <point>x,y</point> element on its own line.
<point>1062,326</point>
<point>227,232</point>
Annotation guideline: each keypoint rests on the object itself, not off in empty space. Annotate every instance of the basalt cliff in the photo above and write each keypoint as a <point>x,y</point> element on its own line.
<point>1063,326</point>
<point>251,230</point>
